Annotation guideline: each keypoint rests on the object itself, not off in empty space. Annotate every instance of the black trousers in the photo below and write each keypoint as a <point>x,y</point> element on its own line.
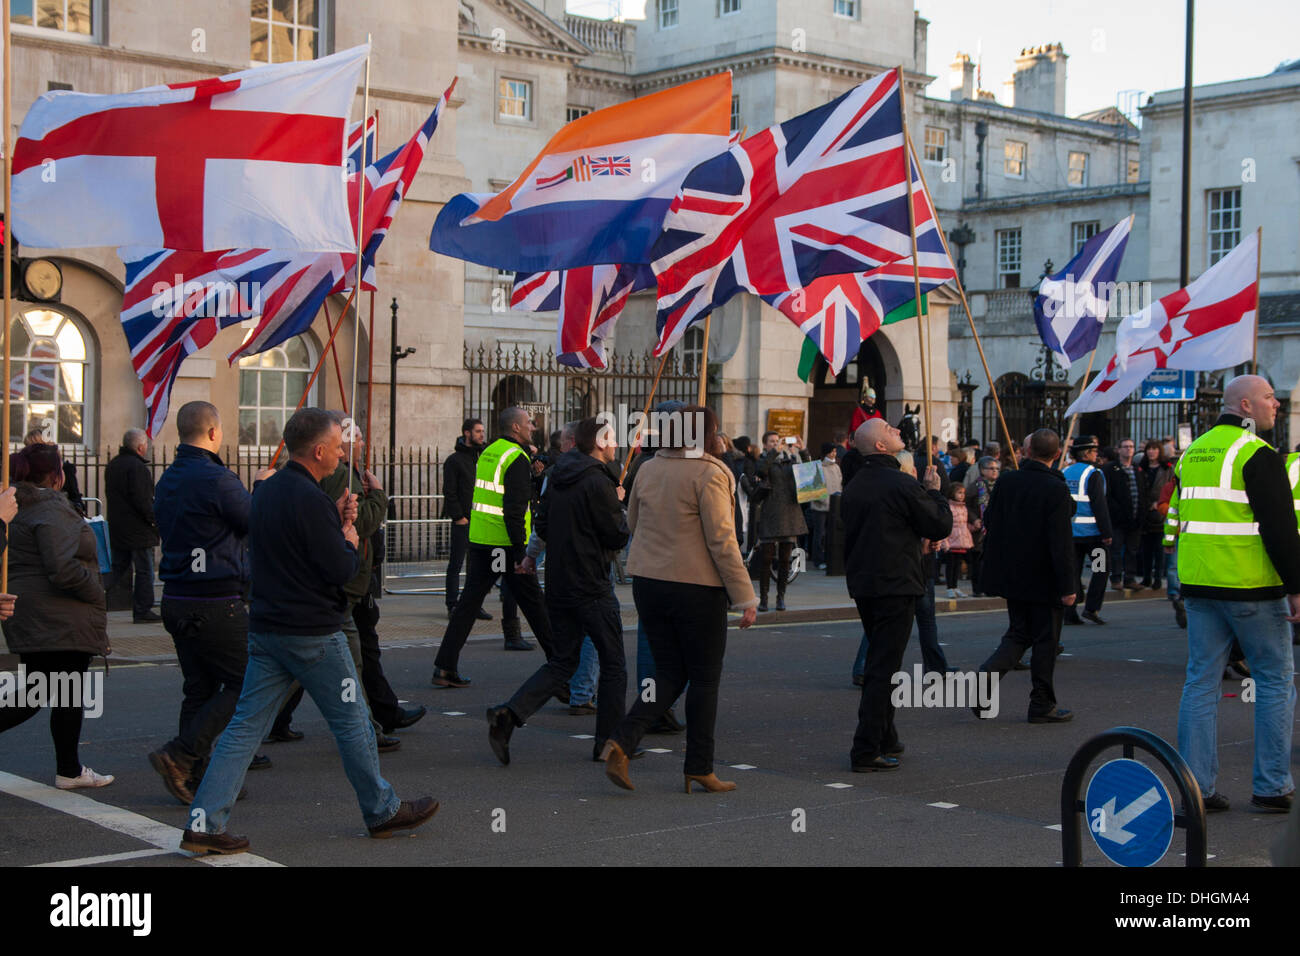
<point>65,721</point>
<point>1038,627</point>
<point>601,621</point>
<point>1083,556</point>
<point>686,625</point>
<point>887,623</point>
<point>479,579</point>
<point>211,640</point>
<point>1124,547</point>
<point>125,560</point>
<point>459,548</point>
<point>384,706</point>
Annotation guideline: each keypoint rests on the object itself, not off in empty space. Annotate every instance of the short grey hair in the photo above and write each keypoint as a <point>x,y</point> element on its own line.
<point>134,436</point>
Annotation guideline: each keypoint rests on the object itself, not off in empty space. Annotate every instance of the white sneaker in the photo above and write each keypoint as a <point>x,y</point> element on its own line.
<point>961,593</point>
<point>88,778</point>
<point>951,594</point>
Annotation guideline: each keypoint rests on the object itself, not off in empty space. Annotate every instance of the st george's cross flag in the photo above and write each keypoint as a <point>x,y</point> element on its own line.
<point>589,300</point>
<point>1072,305</point>
<point>824,193</point>
<point>598,191</point>
<point>249,160</point>
<point>839,312</point>
<point>1208,325</point>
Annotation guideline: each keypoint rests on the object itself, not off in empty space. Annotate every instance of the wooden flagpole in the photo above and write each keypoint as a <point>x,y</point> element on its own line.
<point>1254,345</point>
<point>334,353</point>
<point>916,273</point>
<point>1069,432</point>
<point>370,340</point>
<point>8,275</point>
<point>320,362</point>
<point>627,462</point>
<point>961,291</point>
<point>361,238</point>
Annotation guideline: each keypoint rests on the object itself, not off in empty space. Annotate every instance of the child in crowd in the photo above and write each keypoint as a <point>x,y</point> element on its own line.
<point>959,542</point>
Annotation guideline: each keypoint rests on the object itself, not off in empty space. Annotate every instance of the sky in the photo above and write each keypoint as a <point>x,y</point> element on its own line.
<point>1113,45</point>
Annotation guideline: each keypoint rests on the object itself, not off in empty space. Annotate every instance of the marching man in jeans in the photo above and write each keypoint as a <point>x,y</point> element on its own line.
<point>1239,568</point>
<point>303,551</point>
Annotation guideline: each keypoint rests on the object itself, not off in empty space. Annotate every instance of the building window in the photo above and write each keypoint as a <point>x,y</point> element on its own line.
<point>1225,222</point>
<point>270,384</point>
<point>728,6</point>
<point>1081,232</point>
<point>667,14</point>
<point>1008,275</point>
<point>846,8</point>
<point>1134,169</point>
<point>692,350</point>
<point>936,144</point>
<point>505,276</point>
<point>283,31</point>
<point>1013,161</point>
<point>735,112</point>
<point>74,19</point>
<point>50,378</point>
<point>514,99</point>
<point>1078,172</point>
<point>572,113</point>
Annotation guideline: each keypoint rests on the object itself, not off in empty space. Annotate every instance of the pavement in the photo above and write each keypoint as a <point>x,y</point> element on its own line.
<point>969,793</point>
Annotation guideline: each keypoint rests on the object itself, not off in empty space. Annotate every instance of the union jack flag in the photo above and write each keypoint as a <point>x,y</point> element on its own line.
<point>839,312</point>
<point>589,300</point>
<point>821,194</point>
<point>611,165</point>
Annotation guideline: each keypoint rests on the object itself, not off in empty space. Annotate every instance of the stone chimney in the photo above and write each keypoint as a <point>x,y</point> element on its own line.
<point>554,9</point>
<point>1039,80</point>
<point>963,78</point>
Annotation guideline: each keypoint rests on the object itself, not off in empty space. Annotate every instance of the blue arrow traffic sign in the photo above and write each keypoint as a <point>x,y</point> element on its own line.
<point>1129,812</point>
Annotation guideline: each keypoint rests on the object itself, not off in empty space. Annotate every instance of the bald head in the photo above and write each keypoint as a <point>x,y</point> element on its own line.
<point>877,437</point>
<point>1043,446</point>
<point>1251,397</point>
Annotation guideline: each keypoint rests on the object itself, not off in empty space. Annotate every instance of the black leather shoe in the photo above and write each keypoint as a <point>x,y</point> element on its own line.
<point>409,716</point>
<point>1215,802</point>
<point>880,763</point>
<point>1278,804</point>
<point>409,815</point>
<point>260,762</point>
<point>762,605</point>
<point>1092,616</point>
<point>283,736</point>
<point>501,724</point>
<point>442,678</point>
<point>780,602</point>
<point>387,744</point>
<point>1057,716</point>
<point>483,615</point>
<point>213,842</point>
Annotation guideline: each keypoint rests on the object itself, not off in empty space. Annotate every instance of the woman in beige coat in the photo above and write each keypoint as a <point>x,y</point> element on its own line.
<point>686,569</point>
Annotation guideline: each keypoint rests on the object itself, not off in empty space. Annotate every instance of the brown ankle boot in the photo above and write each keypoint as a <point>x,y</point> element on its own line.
<point>709,781</point>
<point>616,765</point>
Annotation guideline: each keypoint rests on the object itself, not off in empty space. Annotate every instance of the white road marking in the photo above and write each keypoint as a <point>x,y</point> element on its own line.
<point>943,806</point>
<point>116,819</point>
<point>109,858</point>
<point>1053,826</point>
<point>453,713</point>
<point>743,766</point>
<point>583,736</point>
<point>658,750</point>
<point>1135,660</point>
<point>840,786</point>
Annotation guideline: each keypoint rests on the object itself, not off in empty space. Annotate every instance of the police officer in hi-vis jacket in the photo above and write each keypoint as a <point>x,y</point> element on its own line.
<point>499,525</point>
<point>1090,527</point>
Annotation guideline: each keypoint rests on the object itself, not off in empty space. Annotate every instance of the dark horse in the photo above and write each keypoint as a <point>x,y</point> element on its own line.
<point>910,427</point>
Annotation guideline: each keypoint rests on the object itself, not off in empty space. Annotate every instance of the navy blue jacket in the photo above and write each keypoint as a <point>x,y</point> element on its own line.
<point>299,557</point>
<point>199,503</point>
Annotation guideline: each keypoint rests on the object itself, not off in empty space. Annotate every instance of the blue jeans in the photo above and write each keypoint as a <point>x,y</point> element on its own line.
<point>323,665</point>
<point>1265,636</point>
<point>1172,586</point>
<point>582,686</point>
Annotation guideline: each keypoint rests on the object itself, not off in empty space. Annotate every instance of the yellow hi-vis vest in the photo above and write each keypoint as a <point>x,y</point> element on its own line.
<point>487,520</point>
<point>1293,475</point>
<point>1219,543</point>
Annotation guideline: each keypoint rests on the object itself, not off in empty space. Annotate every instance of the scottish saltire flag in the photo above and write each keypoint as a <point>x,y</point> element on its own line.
<point>564,212</point>
<point>821,194</point>
<point>1206,326</point>
<point>1072,305</point>
<point>214,164</point>
<point>589,300</point>
<point>387,181</point>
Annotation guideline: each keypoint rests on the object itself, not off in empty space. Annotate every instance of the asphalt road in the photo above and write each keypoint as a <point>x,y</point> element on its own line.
<point>970,793</point>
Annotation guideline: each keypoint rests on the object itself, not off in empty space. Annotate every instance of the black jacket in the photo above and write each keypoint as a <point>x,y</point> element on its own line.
<point>458,480</point>
<point>886,514</point>
<point>850,465</point>
<point>1269,492</point>
<point>1028,546</point>
<point>128,483</point>
<point>299,558</point>
<point>582,521</point>
<point>201,504</point>
<point>1119,498</point>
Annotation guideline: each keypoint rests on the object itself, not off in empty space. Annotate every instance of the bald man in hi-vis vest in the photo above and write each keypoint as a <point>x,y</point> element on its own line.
<point>1239,568</point>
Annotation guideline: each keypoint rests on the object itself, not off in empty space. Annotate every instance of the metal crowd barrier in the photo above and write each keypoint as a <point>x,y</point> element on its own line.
<point>416,549</point>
